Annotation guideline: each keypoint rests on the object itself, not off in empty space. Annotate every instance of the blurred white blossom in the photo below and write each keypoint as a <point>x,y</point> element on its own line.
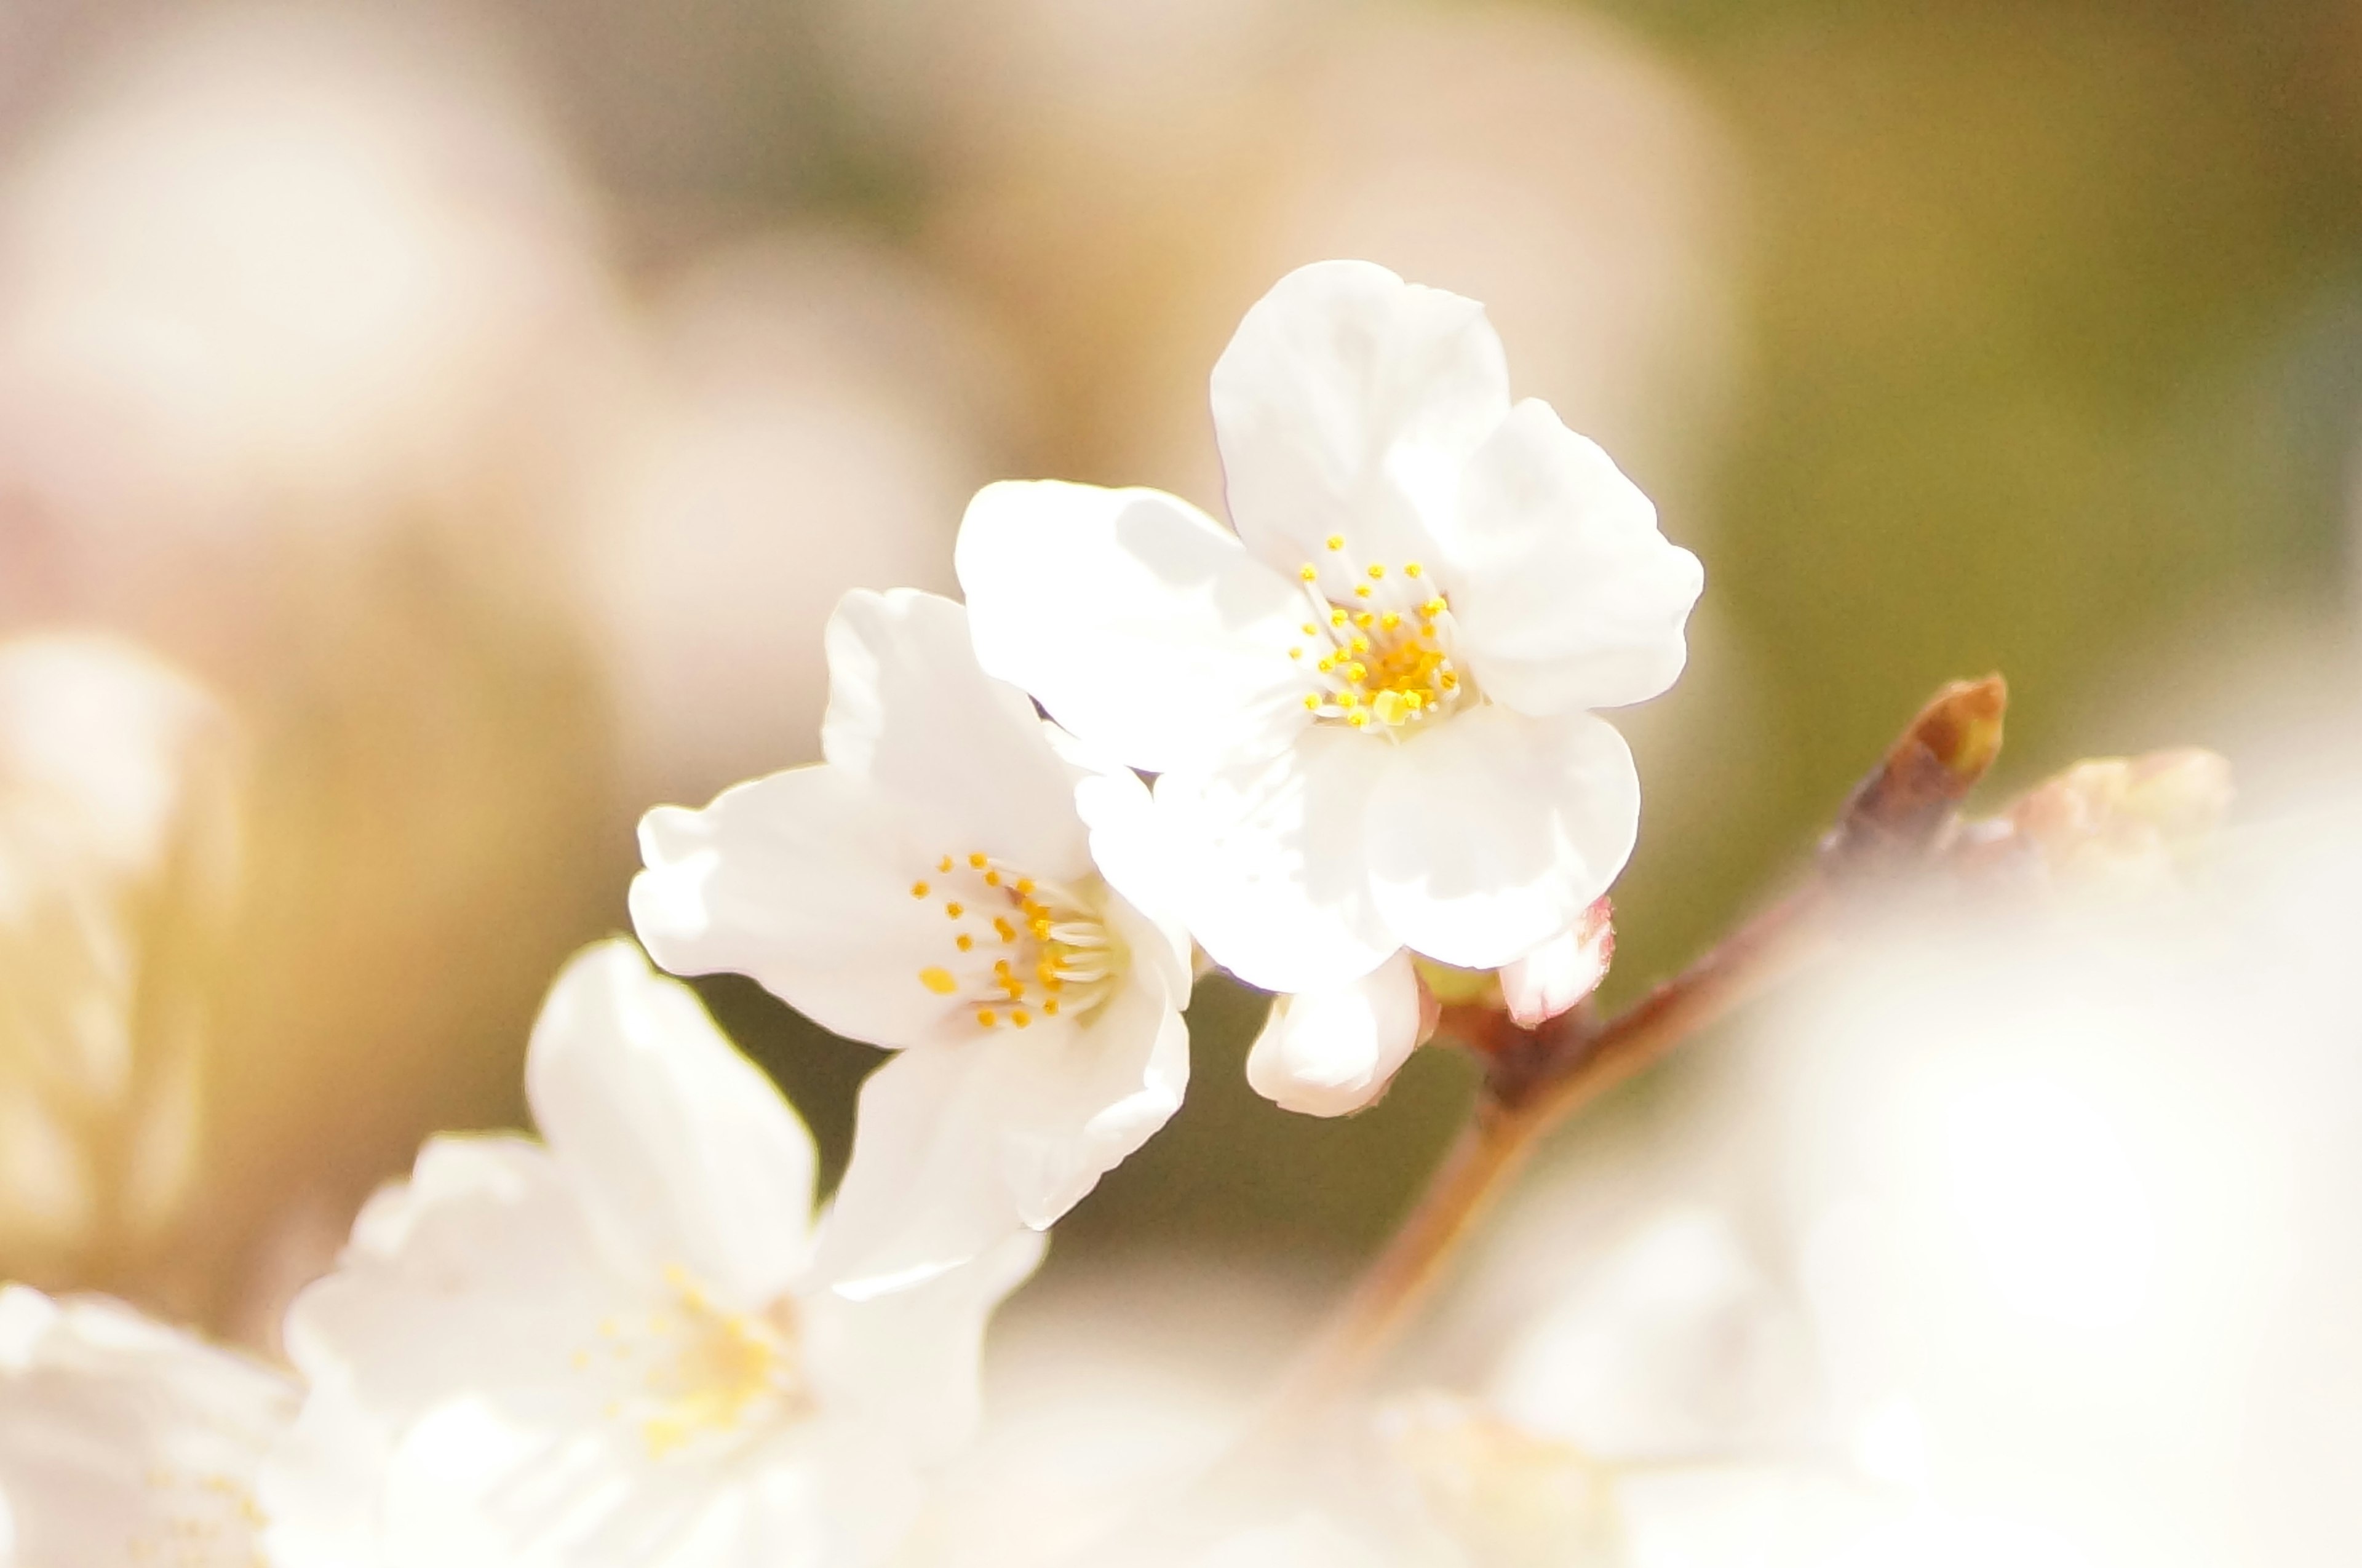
<point>119,859</point>
<point>127,1444</point>
<point>612,1349</point>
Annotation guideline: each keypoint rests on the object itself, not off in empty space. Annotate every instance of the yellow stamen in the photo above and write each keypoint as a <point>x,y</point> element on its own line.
<point>938,980</point>
<point>955,908</point>
<point>986,1017</point>
<point>1308,572</point>
<point>919,890</point>
<point>1336,541</point>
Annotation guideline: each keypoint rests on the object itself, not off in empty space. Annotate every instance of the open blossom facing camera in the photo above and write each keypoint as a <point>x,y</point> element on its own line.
<point>1371,706</point>
<point>127,1444</point>
<point>609,1351</point>
<point>952,883</point>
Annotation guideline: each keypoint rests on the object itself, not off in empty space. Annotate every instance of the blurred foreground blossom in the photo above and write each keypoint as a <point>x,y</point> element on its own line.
<point>949,884</point>
<point>119,856</point>
<point>612,1350</point>
<point>127,1444</point>
<point>1387,740</point>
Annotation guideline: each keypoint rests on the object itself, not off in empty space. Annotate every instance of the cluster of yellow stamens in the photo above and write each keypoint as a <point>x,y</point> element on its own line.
<point>1050,953</point>
<point>209,1520</point>
<point>1383,659</point>
<point>701,1370</point>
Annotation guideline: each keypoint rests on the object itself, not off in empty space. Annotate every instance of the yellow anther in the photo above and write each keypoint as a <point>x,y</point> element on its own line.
<point>1349,700</point>
<point>919,890</point>
<point>1447,680</point>
<point>1360,591</point>
<point>1432,609</point>
<point>1003,929</point>
<point>1310,630</point>
<point>1376,571</point>
<point>1020,1018</point>
<point>1390,620</point>
<point>944,863</point>
<point>1296,653</point>
<point>1000,965</point>
<point>1336,541</point>
<point>992,878</point>
<point>1328,662</point>
<point>938,980</point>
<point>979,860</point>
<point>1336,617</point>
<point>1363,618</point>
<point>1312,700</point>
<point>963,942</point>
<point>955,908</point>
<point>1389,707</point>
<point>1357,719</point>
<point>986,1017</point>
<point>1051,1007</point>
<point>1412,569</point>
<point>1040,928</point>
<point>1357,671</point>
<point>1361,646</point>
<point>1024,886</point>
<point>1308,572</point>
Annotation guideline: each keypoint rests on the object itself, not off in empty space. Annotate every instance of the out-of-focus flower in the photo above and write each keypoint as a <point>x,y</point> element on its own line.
<point>2126,823</point>
<point>273,274</point>
<point>127,1444</point>
<point>1516,1498</point>
<point>606,1350</point>
<point>817,410</point>
<point>946,883</point>
<point>118,864</point>
<point>1371,707</point>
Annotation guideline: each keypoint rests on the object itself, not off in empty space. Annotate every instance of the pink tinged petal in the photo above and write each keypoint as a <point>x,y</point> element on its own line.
<point>1272,870</point>
<point>1562,971</point>
<point>1139,622</point>
<point>1564,593</point>
<point>910,711</point>
<point>959,1147</point>
<point>1329,1052</point>
<point>683,1151</point>
<point>1345,406</point>
<point>807,881</point>
<point>1490,833</point>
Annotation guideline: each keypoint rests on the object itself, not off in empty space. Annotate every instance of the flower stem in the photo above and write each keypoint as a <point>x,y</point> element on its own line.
<point>1898,819</point>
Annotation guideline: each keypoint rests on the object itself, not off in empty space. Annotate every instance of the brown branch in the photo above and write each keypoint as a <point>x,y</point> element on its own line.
<point>1894,821</point>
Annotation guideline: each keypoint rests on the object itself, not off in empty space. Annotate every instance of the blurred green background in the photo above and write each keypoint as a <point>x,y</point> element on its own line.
<point>2016,336</point>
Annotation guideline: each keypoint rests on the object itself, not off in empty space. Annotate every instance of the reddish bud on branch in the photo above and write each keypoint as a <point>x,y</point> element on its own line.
<point>1899,812</point>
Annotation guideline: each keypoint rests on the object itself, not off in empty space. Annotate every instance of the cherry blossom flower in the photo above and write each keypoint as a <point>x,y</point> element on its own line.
<point>1371,706</point>
<point>953,881</point>
<point>127,1444</point>
<point>606,1350</point>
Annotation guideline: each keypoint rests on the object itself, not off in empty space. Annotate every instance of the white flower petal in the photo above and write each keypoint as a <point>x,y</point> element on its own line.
<point>1136,858</point>
<point>1564,595</point>
<point>1562,971</point>
<point>1489,836</point>
<point>121,1439</point>
<point>1140,623</point>
<point>956,1147</point>
<point>1272,862</point>
<point>680,1146</point>
<point>1345,405</point>
<point>477,1278</point>
<point>905,1364</point>
<point>803,880</point>
<point>1331,1052</point>
<point>910,711</point>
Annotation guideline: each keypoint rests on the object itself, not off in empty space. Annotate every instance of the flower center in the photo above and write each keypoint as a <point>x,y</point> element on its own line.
<point>1381,660</point>
<point>701,1369</point>
<point>208,1520</point>
<point>1019,948</point>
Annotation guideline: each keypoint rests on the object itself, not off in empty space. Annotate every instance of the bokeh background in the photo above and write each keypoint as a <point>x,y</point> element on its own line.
<point>432,433</point>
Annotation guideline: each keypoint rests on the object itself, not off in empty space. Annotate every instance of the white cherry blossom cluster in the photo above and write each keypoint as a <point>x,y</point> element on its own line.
<point>1369,709</point>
